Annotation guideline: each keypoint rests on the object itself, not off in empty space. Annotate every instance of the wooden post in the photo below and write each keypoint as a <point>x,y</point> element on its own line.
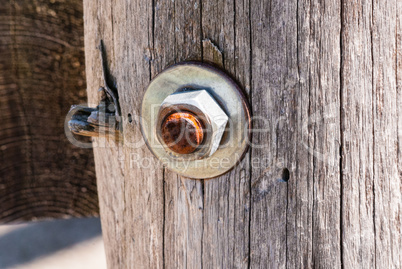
<point>324,82</point>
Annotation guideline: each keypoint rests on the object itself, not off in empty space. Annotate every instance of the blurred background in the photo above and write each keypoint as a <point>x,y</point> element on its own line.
<point>72,243</point>
<point>46,183</point>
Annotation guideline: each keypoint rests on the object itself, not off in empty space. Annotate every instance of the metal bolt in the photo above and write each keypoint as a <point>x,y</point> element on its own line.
<point>182,132</point>
<point>191,122</point>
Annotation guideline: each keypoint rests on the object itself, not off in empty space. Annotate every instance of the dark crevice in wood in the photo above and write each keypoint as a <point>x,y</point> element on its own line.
<point>201,33</point>
<point>152,49</point>
<point>202,220</point>
<point>235,75</point>
<point>373,126</point>
<point>234,38</point>
<point>112,47</point>
<point>175,37</point>
<point>164,218</point>
<point>313,202</point>
<point>286,178</point>
<point>153,25</point>
<point>299,89</point>
<point>203,180</point>
<point>310,112</point>
<point>341,129</point>
<point>251,138</point>
<point>397,89</point>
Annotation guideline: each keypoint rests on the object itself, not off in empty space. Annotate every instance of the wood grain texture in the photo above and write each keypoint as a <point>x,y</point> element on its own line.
<point>318,76</point>
<point>227,198</point>
<point>357,136</point>
<point>42,175</point>
<point>274,58</point>
<point>132,202</point>
<point>387,180</point>
<point>396,226</point>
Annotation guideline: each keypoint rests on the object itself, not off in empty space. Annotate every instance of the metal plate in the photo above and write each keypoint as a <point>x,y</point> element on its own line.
<point>225,91</point>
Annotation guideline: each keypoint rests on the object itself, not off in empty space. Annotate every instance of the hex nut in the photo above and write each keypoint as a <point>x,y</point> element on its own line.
<point>200,101</point>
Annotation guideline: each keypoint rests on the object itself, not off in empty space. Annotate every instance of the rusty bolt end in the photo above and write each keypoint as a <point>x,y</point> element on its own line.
<point>182,132</point>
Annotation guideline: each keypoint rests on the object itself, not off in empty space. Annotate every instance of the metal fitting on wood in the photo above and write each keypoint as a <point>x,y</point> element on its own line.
<point>195,120</point>
<point>208,118</point>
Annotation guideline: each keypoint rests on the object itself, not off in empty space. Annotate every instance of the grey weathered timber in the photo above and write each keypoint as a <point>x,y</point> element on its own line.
<point>357,136</point>
<point>42,175</point>
<point>387,176</point>
<point>132,206</point>
<point>395,226</point>
<point>324,82</point>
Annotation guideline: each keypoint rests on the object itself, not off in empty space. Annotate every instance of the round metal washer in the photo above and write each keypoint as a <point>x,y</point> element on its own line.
<point>225,91</point>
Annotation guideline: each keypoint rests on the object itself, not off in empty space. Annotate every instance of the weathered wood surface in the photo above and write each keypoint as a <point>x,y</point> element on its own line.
<point>324,82</point>
<point>42,175</point>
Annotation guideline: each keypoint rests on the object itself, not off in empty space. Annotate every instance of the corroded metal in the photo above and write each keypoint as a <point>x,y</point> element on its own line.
<point>182,132</point>
<point>102,121</point>
<point>203,105</point>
